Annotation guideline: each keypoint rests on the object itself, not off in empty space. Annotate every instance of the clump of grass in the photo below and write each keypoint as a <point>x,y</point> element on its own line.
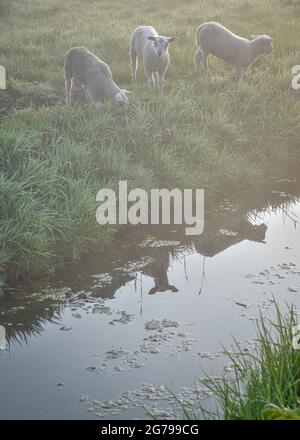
<point>264,383</point>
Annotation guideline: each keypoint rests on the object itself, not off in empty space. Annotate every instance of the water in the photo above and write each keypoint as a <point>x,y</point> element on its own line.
<point>104,337</point>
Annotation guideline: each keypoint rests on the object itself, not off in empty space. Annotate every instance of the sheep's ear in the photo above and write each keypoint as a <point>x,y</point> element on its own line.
<point>151,38</point>
<point>252,37</point>
<point>172,39</point>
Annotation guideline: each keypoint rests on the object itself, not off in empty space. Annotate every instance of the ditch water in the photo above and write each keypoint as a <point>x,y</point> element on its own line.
<point>109,338</point>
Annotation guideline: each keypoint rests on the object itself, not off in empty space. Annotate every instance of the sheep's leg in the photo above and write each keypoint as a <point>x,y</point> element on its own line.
<point>150,79</point>
<point>161,84</point>
<point>237,73</point>
<point>133,60</point>
<point>90,98</point>
<point>161,79</point>
<point>68,89</point>
<point>98,105</point>
<point>201,62</point>
<point>156,78</point>
<point>198,58</point>
<point>87,96</point>
<point>68,81</point>
<point>133,64</point>
<point>205,63</point>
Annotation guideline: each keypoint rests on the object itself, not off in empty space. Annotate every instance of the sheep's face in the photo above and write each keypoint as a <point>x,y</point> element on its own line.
<point>265,43</point>
<point>120,101</point>
<point>161,45</point>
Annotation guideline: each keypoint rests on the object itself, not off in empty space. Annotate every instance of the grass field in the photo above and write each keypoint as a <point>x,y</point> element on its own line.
<point>213,134</point>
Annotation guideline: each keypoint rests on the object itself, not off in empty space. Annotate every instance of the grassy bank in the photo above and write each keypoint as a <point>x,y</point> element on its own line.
<point>211,134</point>
<point>264,384</point>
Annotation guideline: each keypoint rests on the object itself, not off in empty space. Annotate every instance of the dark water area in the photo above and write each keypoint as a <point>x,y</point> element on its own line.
<point>110,336</point>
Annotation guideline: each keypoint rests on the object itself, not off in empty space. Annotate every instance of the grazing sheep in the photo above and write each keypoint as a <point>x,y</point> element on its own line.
<point>153,50</point>
<point>96,78</point>
<point>213,38</point>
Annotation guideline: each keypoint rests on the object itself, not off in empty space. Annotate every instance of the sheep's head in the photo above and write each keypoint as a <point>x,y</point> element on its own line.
<point>265,43</point>
<point>120,100</point>
<point>161,45</point>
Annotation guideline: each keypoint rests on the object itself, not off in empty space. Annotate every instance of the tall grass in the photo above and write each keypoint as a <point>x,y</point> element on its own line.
<point>264,383</point>
<point>212,134</point>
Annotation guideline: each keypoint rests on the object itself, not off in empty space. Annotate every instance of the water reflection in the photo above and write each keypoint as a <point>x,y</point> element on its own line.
<point>158,271</point>
<point>24,315</point>
<point>144,251</point>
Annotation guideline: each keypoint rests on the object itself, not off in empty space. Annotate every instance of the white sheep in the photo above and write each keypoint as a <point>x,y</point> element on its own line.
<point>153,50</point>
<point>96,78</point>
<point>215,39</point>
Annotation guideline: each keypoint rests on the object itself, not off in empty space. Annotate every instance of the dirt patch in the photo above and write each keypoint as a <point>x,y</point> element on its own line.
<point>10,103</point>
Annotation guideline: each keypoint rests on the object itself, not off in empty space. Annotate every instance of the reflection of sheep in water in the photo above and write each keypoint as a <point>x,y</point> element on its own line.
<point>162,287</point>
<point>215,39</point>
<point>158,270</point>
<point>216,241</point>
<point>96,78</point>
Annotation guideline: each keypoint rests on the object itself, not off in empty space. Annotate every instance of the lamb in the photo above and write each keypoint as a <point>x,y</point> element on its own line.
<point>153,49</point>
<point>213,38</point>
<point>96,78</point>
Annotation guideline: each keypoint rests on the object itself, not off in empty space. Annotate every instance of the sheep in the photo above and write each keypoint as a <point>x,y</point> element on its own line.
<point>213,38</point>
<point>96,78</point>
<point>153,50</point>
